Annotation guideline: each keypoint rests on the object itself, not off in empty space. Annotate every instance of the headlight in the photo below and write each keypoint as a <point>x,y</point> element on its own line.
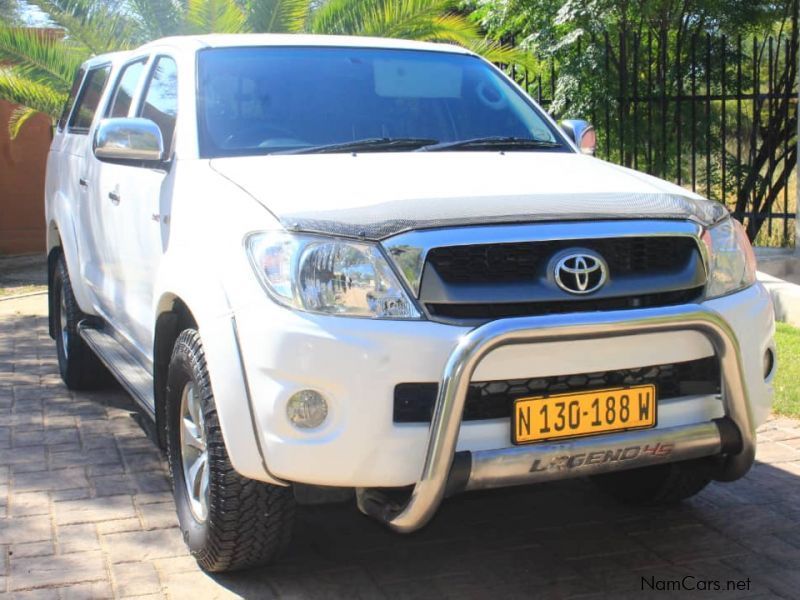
<point>329,275</point>
<point>731,261</point>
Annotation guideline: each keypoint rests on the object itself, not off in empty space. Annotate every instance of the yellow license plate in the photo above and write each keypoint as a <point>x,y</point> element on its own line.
<point>583,413</point>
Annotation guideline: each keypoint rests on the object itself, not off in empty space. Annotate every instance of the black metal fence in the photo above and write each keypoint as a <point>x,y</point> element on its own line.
<point>717,115</point>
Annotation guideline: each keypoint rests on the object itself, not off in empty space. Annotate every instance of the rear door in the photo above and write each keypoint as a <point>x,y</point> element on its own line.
<point>77,145</point>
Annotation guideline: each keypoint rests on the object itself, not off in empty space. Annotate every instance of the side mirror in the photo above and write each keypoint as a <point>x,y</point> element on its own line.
<point>582,133</point>
<point>128,139</point>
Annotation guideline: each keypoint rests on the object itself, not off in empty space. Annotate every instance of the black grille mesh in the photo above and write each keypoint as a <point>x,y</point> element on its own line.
<point>517,309</point>
<point>413,402</point>
<point>492,263</point>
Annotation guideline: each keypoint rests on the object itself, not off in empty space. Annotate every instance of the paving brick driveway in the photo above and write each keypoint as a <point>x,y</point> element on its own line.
<point>85,512</point>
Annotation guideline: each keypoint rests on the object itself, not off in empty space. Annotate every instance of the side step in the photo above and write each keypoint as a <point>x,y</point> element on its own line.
<point>136,380</point>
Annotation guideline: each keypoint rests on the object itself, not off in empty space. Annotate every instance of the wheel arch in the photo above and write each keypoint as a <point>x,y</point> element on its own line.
<point>172,316</point>
<point>188,297</point>
<point>54,251</point>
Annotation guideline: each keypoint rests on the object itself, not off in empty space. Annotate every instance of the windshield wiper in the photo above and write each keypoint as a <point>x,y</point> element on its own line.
<point>492,142</point>
<point>365,145</point>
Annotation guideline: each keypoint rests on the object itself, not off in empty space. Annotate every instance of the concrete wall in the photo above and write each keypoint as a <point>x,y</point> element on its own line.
<point>22,165</point>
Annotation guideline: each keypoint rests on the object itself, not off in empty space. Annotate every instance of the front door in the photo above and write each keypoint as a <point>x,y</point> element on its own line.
<point>136,198</point>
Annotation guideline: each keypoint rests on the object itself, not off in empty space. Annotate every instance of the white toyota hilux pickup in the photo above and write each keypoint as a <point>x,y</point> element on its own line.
<point>330,266</point>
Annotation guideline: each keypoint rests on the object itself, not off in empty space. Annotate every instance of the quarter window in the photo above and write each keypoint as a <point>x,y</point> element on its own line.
<point>76,84</point>
<point>126,86</point>
<point>89,99</point>
<point>161,100</point>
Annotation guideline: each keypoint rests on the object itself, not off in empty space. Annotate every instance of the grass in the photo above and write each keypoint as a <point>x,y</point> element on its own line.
<point>787,379</point>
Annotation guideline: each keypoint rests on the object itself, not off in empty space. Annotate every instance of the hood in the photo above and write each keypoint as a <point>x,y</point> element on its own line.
<point>377,195</point>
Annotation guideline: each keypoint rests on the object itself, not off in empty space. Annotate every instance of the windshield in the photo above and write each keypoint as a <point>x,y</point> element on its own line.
<point>261,100</point>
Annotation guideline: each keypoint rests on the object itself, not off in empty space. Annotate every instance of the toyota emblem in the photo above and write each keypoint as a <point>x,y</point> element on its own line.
<point>581,272</point>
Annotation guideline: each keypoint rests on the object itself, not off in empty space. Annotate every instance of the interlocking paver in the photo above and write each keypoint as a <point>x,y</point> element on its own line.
<point>144,545</point>
<point>37,572</point>
<point>135,579</point>
<point>77,538</point>
<point>62,479</point>
<point>20,530</point>
<point>94,509</point>
<point>90,515</point>
<point>30,503</point>
<point>32,549</point>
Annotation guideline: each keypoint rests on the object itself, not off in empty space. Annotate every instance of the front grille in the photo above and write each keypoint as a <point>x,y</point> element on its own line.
<point>414,402</point>
<point>513,262</point>
<point>519,309</point>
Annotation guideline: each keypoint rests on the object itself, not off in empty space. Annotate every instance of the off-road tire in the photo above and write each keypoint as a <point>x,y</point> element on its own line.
<point>79,366</point>
<point>249,523</point>
<point>669,483</point>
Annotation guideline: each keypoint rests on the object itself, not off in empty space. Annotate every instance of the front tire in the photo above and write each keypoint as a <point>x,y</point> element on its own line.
<point>669,483</point>
<point>228,521</point>
<point>78,365</point>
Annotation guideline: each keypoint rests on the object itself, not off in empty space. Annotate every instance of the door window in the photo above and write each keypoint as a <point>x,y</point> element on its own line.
<point>126,86</point>
<point>89,99</point>
<point>161,99</point>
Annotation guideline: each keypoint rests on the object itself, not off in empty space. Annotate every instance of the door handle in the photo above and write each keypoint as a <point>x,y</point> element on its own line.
<point>83,183</point>
<point>114,197</point>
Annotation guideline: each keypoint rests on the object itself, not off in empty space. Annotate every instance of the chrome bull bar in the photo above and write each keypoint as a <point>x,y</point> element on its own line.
<point>733,436</point>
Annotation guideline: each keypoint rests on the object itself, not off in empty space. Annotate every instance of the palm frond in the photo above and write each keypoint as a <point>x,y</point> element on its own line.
<point>425,20</point>
<point>40,54</point>
<point>504,55</point>
<point>157,18</point>
<point>214,16</point>
<point>16,87</point>
<point>98,25</point>
<point>17,119</point>
<point>277,16</point>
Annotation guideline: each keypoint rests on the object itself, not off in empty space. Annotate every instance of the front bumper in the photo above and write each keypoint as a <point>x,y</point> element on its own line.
<point>519,464</point>
<point>357,363</point>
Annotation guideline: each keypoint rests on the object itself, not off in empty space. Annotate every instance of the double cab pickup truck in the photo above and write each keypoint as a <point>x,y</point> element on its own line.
<point>337,268</point>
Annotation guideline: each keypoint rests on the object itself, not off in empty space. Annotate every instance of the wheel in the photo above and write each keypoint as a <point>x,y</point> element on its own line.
<point>228,521</point>
<point>79,366</point>
<point>660,484</point>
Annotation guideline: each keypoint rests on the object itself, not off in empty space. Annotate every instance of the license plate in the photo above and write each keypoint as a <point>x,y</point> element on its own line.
<point>583,413</point>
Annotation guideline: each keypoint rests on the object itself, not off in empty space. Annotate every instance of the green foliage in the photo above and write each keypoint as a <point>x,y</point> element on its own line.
<point>214,16</point>
<point>277,16</point>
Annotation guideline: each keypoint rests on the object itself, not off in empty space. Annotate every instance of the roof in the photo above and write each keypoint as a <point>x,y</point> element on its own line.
<point>227,40</point>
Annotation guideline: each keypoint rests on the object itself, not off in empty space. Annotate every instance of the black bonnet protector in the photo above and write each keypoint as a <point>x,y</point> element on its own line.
<point>383,220</point>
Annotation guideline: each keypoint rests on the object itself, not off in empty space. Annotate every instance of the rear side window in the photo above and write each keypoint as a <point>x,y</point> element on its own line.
<point>88,99</point>
<point>76,84</point>
<point>126,86</point>
<point>161,99</point>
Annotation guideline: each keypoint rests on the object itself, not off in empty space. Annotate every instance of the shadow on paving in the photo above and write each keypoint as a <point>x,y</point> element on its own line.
<point>556,540</point>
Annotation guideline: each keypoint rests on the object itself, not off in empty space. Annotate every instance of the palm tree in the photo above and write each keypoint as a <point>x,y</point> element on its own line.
<point>39,66</point>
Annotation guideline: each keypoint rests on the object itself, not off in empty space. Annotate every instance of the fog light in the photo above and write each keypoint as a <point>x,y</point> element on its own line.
<point>307,409</point>
<point>769,362</point>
